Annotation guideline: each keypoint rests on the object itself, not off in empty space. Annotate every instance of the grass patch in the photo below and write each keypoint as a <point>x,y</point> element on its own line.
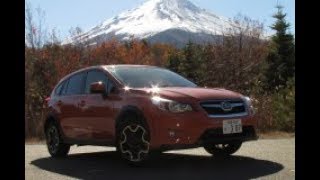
<point>34,141</point>
<point>276,135</point>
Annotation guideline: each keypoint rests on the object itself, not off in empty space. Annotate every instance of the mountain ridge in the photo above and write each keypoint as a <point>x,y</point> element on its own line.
<point>153,18</point>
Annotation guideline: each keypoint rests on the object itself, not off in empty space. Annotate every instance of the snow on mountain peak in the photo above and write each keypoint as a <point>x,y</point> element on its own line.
<point>155,16</point>
<point>173,4</point>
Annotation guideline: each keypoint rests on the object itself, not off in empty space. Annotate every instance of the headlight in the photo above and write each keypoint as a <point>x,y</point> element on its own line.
<point>169,105</point>
<point>249,105</point>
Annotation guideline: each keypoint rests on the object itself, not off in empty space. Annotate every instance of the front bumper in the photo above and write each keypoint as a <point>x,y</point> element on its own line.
<point>215,136</point>
<point>175,131</point>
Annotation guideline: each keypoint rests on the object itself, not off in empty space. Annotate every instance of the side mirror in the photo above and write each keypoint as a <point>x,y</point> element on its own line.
<point>98,88</point>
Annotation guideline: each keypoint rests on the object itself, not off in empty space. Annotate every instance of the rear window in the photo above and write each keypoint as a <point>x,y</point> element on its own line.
<point>58,90</point>
<point>64,88</point>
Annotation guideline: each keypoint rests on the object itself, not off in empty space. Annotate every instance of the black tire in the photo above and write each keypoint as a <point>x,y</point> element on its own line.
<point>156,152</point>
<point>133,139</point>
<point>55,144</point>
<point>222,150</point>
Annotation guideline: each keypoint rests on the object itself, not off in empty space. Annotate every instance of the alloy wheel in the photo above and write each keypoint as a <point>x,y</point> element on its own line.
<point>53,139</point>
<point>133,143</point>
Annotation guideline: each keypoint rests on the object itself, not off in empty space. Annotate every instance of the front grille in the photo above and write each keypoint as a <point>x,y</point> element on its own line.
<point>217,108</point>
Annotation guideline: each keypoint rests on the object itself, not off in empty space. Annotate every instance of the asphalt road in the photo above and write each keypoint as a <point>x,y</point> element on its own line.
<point>262,159</point>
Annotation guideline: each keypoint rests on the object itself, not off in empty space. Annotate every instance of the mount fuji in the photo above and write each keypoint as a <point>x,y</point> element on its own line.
<point>164,21</point>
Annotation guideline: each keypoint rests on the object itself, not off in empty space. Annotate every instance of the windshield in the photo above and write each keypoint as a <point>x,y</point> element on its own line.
<point>144,76</point>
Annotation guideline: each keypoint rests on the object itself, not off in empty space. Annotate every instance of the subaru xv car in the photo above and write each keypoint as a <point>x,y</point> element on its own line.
<point>143,110</point>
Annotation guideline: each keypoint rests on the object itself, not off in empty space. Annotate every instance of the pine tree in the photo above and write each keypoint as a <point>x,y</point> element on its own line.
<point>186,66</point>
<point>173,62</point>
<point>192,64</point>
<point>281,58</point>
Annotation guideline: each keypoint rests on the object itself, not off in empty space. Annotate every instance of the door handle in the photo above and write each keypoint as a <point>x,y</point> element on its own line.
<point>82,103</point>
<point>59,103</point>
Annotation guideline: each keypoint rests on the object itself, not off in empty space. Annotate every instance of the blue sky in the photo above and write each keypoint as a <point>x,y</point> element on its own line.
<point>64,14</point>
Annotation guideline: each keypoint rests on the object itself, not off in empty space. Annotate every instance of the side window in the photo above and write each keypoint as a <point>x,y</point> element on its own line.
<point>64,88</point>
<point>76,84</point>
<point>57,92</point>
<point>95,76</point>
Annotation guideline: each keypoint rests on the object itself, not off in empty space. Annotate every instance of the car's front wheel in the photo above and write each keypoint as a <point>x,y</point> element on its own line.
<point>133,140</point>
<point>222,150</point>
<point>54,142</point>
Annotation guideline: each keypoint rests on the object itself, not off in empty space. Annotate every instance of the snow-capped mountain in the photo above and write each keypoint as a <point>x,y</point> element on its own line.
<point>168,21</point>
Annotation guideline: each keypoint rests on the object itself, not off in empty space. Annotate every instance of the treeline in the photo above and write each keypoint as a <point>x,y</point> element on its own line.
<point>242,60</point>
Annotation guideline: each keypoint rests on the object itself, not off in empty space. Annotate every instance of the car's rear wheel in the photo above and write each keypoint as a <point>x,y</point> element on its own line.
<point>222,150</point>
<point>55,145</point>
<point>133,140</point>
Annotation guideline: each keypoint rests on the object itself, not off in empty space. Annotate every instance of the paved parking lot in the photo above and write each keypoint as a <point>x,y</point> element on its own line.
<point>262,159</point>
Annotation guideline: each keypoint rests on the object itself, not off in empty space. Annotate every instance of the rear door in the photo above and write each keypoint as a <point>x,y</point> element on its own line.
<point>57,98</point>
<point>72,101</point>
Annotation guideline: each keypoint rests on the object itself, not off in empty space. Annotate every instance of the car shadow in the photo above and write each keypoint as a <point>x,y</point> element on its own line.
<point>108,165</point>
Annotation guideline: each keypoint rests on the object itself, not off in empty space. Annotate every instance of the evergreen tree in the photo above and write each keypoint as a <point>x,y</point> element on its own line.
<point>187,64</point>
<point>173,62</point>
<point>192,64</point>
<point>281,58</point>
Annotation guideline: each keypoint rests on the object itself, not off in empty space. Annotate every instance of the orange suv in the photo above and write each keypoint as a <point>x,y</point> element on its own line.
<point>143,109</point>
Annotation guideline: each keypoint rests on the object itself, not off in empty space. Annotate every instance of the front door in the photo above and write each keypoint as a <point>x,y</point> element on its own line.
<point>98,111</point>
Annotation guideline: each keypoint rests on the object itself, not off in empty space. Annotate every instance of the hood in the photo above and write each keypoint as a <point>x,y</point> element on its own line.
<point>200,94</point>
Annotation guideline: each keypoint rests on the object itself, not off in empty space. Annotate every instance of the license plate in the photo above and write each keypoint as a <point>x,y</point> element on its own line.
<point>232,126</point>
